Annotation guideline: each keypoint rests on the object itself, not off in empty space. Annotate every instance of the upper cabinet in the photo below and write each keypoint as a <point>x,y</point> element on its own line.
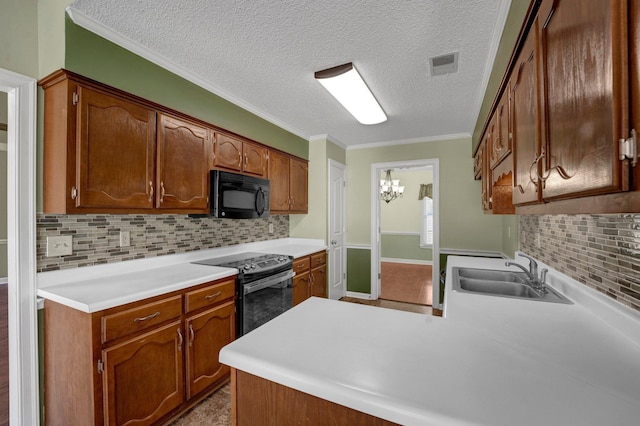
<point>183,164</point>
<point>569,111</point>
<point>231,153</point>
<point>585,97</point>
<point>115,152</point>
<point>525,107</point>
<point>289,181</point>
<point>106,151</point>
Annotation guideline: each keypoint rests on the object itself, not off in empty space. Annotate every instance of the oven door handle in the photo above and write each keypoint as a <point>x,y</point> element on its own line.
<point>268,282</point>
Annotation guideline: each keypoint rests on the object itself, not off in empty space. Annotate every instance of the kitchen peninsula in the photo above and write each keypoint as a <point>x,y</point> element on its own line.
<point>488,361</point>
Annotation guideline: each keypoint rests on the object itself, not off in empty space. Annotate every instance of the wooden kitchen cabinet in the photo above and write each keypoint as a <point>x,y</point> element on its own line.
<point>182,164</point>
<point>526,127</point>
<point>207,333</point>
<point>501,130</point>
<point>289,183</point>
<point>311,277</point>
<point>105,145</point>
<point>235,154</point>
<point>106,151</point>
<point>571,102</point>
<point>143,377</point>
<point>585,97</point>
<point>142,363</point>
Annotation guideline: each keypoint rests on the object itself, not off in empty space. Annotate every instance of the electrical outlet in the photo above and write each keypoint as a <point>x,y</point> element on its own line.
<point>59,246</point>
<point>271,228</point>
<point>125,238</point>
<point>523,237</point>
<point>508,232</point>
<point>537,240</point>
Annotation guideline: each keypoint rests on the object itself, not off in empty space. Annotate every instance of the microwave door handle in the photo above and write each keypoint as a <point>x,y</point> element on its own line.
<point>260,201</point>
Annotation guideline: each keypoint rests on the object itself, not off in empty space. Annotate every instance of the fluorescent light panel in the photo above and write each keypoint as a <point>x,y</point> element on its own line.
<point>347,86</point>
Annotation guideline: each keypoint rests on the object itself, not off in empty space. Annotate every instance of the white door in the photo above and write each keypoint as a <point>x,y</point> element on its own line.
<point>337,250</point>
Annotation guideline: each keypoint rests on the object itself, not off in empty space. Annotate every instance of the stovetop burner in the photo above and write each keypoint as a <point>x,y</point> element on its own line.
<point>250,263</point>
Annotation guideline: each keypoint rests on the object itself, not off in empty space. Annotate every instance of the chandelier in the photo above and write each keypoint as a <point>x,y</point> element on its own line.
<point>390,189</point>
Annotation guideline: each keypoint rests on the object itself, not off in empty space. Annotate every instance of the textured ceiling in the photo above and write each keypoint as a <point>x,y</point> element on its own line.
<point>262,56</point>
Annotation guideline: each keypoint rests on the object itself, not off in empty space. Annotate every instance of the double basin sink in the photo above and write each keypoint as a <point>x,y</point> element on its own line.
<point>503,284</point>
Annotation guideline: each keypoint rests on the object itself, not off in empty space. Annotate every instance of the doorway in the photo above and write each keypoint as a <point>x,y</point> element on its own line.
<point>4,302</point>
<point>405,234</point>
<point>21,236</point>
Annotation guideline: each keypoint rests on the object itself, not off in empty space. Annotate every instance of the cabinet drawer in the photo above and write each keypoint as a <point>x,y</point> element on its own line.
<point>318,259</point>
<point>210,295</point>
<point>140,318</point>
<point>301,265</point>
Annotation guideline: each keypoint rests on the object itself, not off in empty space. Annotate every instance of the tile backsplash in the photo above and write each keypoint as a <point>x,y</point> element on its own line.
<point>600,251</point>
<point>96,237</point>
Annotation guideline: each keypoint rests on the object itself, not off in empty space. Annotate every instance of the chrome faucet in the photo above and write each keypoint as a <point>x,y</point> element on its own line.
<point>532,273</point>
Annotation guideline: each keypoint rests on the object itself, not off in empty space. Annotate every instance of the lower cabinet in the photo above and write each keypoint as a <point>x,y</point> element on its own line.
<point>207,333</point>
<point>142,363</point>
<point>311,277</point>
<point>143,377</point>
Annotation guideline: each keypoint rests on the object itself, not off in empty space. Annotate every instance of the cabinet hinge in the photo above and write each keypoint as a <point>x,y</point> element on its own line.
<point>379,276</point>
<point>629,148</point>
<point>75,98</point>
<point>344,275</point>
<point>100,366</point>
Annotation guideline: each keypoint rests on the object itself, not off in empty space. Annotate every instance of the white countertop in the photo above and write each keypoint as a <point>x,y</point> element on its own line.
<point>489,361</point>
<point>94,288</point>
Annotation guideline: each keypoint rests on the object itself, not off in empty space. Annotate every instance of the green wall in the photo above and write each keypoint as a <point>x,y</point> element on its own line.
<point>358,270</point>
<point>403,247</point>
<point>462,223</point>
<point>92,56</point>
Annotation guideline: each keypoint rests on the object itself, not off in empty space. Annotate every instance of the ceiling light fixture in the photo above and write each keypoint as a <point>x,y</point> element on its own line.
<point>347,86</point>
<point>390,189</point>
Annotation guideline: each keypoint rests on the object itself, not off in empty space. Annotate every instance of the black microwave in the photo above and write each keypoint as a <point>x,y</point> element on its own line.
<point>237,196</point>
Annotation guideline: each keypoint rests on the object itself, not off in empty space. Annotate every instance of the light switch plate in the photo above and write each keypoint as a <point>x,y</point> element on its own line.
<point>271,228</point>
<point>61,245</point>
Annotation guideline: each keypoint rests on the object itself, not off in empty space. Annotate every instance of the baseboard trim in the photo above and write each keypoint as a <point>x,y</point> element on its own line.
<point>357,295</point>
<point>408,261</point>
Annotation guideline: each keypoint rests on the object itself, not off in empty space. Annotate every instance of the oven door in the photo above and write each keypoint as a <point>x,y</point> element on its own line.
<point>265,299</point>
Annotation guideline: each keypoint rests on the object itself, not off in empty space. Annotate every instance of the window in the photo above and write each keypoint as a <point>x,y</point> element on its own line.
<point>426,224</point>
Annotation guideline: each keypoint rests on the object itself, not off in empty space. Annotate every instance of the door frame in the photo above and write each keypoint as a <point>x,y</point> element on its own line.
<point>342,166</point>
<point>24,401</point>
<point>376,170</point>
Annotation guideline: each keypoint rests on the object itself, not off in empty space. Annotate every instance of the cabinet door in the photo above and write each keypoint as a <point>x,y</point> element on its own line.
<point>207,333</point>
<point>115,152</point>
<point>319,282</point>
<point>526,125</point>
<point>279,182</point>
<point>183,165</point>
<point>585,99</point>
<point>143,377</point>
<point>301,291</point>
<point>298,185</point>
<point>227,152</point>
<point>501,137</point>
<point>255,159</point>
<point>486,173</point>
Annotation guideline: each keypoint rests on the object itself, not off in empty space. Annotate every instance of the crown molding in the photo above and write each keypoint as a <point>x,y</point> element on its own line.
<point>328,138</point>
<point>108,33</point>
<point>427,139</point>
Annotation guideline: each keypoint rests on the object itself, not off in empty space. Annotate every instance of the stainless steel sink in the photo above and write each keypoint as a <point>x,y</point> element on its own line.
<point>492,275</point>
<point>502,284</point>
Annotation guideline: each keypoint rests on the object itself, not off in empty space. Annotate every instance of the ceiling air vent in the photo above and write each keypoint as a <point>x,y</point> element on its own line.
<point>444,64</point>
